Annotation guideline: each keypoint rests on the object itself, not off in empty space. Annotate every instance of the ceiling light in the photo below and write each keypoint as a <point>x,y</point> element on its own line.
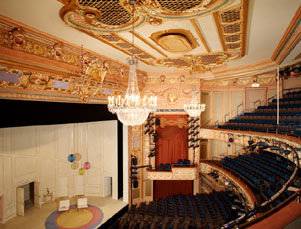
<point>131,110</point>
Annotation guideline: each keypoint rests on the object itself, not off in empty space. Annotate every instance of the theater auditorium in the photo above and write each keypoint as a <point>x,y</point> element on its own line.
<point>153,114</point>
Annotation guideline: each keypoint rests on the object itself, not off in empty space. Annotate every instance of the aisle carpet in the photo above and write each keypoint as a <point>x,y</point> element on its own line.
<point>81,219</point>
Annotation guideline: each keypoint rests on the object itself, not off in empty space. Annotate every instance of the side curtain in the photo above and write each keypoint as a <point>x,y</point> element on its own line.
<point>172,142</point>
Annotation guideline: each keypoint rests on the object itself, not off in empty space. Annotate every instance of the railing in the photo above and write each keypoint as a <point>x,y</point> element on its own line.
<point>260,208</point>
<point>284,91</point>
<point>235,112</point>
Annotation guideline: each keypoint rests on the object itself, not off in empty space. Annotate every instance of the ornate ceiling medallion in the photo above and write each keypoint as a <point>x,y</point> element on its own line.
<point>203,62</point>
<point>116,16</point>
<point>175,40</point>
<point>99,16</point>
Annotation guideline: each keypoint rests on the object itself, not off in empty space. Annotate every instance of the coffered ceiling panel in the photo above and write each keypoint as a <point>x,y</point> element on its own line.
<point>229,34</point>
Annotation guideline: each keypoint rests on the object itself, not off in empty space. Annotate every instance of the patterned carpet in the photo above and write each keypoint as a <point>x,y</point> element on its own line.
<point>80,219</point>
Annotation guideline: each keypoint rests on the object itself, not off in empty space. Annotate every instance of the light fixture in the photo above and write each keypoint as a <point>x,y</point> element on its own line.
<point>194,109</point>
<point>131,110</point>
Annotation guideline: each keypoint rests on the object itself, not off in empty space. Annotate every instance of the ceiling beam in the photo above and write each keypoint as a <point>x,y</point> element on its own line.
<point>219,30</point>
<point>198,30</point>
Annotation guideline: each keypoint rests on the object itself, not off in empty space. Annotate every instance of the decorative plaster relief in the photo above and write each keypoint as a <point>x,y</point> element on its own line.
<point>174,174</point>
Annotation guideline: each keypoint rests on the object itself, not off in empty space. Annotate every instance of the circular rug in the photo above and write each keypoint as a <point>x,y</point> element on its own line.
<point>80,219</point>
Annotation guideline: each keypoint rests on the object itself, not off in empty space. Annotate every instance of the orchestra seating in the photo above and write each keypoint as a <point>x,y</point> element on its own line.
<point>264,118</point>
<point>182,211</point>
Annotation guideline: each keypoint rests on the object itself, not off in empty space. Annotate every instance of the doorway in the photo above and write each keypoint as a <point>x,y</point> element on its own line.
<point>25,198</point>
<point>28,195</point>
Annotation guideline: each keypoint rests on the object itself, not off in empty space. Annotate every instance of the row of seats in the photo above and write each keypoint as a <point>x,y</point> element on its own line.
<point>265,171</point>
<point>201,206</point>
<point>264,119</point>
<point>167,166</point>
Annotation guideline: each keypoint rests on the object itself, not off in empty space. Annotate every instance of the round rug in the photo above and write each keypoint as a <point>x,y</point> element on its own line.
<point>80,219</point>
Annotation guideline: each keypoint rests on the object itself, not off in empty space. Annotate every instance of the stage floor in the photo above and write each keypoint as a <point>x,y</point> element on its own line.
<point>35,217</point>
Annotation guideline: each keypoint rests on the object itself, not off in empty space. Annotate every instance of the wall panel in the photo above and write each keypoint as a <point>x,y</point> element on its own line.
<point>40,153</point>
<point>25,141</point>
<point>218,106</point>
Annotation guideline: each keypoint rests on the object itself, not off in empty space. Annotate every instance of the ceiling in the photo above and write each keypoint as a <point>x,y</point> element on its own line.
<point>221,36</point>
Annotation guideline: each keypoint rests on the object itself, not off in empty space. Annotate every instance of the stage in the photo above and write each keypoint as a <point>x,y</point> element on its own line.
<point>35,218</point>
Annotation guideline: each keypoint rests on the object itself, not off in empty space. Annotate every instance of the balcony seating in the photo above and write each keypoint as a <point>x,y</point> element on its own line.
<point>264,119</point>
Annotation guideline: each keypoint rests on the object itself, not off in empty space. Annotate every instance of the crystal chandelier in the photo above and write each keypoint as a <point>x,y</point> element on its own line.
<point>131,110</point>
<point>194,109</point>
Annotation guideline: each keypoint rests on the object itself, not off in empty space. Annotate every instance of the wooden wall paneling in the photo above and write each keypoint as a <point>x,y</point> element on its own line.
<point>94,183</point>
<point>25,140</point>
<point>10,192</point>
<point>226,102</point>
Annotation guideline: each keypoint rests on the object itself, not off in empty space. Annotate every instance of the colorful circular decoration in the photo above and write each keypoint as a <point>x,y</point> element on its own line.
<point>74,165</point>
<point>71,157</point>
<point>81,171</point>
<point>90,217</point>
<point>87,165</point>
<point>78,156</point>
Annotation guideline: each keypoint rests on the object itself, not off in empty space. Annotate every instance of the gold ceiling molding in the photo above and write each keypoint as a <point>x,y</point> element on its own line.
<point>175,40</point>
<point>148,43</point>
<point>231,24</point>
<point>104,19</point>
<point>116,15</point>
<point>289,40</point>
<point>197,28</point>
<point>203,62</point>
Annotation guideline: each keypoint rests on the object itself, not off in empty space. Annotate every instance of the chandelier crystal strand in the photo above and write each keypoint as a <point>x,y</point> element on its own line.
<point>194,109</point>
<point>131,110</point>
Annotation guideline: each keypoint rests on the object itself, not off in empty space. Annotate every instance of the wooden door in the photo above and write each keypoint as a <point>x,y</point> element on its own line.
<point>37,196</point>
<point>20,201</point>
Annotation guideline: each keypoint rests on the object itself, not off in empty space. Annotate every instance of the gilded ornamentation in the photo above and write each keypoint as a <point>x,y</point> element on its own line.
<point>180,122</point>
<point>103,19</point>
<point>238,82</point>
<point>182,78</point>
<point>172,98</point>
<point>57,51</point>
<point>97,70</point>
<point>22,40</point>
<point>203,62</point>
<point>162,78</point>
<point>155,21</point>
<point>175,40</point>
<point>174,174</point>
<point>16,38</point>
